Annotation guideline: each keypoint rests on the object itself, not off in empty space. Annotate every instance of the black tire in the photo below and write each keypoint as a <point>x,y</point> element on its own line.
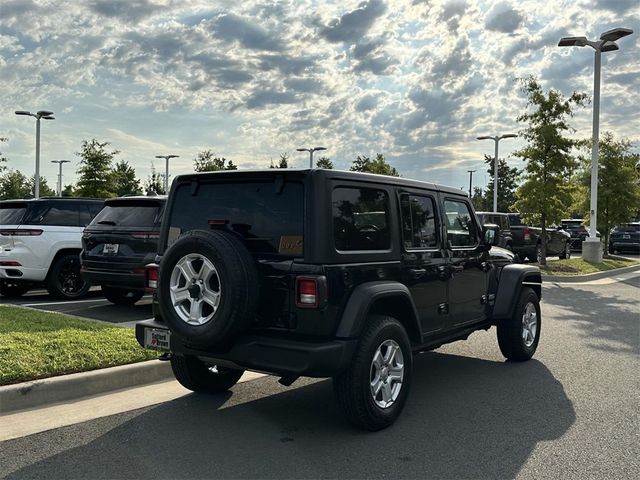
<point>197,376</point>
<point>121,296</point>
<point>353,386</point>
<point>511,330</point>
<point>566,253</point>
<point>612,250</point>
<point>13,288</point>
<point>64,280</point>
<point>237,281</point>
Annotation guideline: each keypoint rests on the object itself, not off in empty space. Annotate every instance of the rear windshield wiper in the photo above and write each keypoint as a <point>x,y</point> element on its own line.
<point>106,222</point>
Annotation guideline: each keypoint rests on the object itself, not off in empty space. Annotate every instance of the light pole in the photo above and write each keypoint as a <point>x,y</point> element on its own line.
<point>47,115</point>
<point>166,170</point>
<point>496,139</point>
<point>592,251</point>
<point>60,162</point>
<point>310,150</point>
<point>471,180</point>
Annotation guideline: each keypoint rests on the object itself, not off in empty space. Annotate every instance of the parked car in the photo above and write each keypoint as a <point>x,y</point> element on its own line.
<point>527,240</point>
<point>117,245</point>
<point>625,238</point>
<point>501,220</point>
<point>40,244</point>
<point>325,273</point>
<point>578,231</point>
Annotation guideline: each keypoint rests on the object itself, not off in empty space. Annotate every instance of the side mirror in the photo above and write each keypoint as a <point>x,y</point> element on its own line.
<point>491,234</point>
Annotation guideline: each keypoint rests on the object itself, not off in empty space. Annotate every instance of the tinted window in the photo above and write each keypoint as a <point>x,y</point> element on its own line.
<point>129,215</point>
<point>633,227</point>
<point>514,220</point>
<point>11,214</point>
<point>360,219</point>
<point>418,222</point>
<point>461,231</point>
<point>269,216</point>
<point>55,213</point>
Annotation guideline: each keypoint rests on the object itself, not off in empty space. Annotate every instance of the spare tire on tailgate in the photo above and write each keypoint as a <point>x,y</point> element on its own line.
<point>208,287</point>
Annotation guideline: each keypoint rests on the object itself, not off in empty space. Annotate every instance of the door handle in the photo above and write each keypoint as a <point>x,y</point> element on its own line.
<point>417,272</point>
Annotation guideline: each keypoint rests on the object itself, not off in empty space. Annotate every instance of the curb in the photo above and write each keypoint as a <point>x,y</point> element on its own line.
<point>46,391</point>
<point>590,276</point>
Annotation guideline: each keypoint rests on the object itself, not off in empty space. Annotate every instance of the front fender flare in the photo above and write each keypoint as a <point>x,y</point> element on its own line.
<point>512,279</point>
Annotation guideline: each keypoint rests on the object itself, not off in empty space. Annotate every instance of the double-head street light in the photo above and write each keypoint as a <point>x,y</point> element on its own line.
<point>607,43</point>
<point>310,150</point>
<point>166,170</point>
<point>496,139</point>
<point>60,162</point>
<point>47,115</point>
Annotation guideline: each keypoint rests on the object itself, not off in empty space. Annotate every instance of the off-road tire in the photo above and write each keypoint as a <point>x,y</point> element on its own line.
<point>13,289</point>
<point>352,387</point>
<point>121,296</point>
<point>195,375</point>
<point>239,282</point>
<point>510,330</point>
<point>65,271</point>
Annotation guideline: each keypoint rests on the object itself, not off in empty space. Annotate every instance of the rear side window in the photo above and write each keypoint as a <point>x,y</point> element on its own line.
<point>418,222</point>
<point>461,230</point>
<point>360,219</point>
<point>11,214</point>
<point>268,215</point>
<point>129,215</point>
<point>514,220</point>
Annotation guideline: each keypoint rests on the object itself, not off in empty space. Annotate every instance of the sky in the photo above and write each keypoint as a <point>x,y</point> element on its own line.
<point>416,80</point>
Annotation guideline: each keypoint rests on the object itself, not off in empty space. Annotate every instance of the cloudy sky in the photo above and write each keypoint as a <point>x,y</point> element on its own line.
<point>417,80</point>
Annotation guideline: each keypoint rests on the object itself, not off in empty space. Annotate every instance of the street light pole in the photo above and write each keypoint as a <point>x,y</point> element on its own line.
<point>496,139</point>
<point>47,115</point>
<point>470,180</point>
<point>60,162</point>
<point>310,150</point>
<point>592,251</point>
<point>166,170</point>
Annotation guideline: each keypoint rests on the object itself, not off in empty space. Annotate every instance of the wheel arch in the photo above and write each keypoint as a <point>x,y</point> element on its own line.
<point>380,298</point>
<point>60,253</point>
<point>513,279</point>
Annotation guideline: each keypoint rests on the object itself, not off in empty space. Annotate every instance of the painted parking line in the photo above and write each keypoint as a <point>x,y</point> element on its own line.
<point>70,302</point>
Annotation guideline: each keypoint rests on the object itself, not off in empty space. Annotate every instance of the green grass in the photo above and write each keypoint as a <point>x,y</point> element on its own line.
<point>36,344</point>
<point>577,266</point>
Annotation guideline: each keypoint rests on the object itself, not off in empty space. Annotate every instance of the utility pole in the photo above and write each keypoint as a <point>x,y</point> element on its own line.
<point>59,162</point>
<point>310,150</point>
<point>471,181</point>
<point>166,171</point>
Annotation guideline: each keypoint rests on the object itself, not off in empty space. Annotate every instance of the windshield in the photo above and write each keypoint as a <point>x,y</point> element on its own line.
<point>129,215</point>
<point>12,214</point>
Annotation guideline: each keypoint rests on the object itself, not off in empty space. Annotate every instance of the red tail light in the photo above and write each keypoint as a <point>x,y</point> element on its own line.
<point>10,264</point>
<point>146,235</point>
<point>311,292</point>
<point>21,232</point>
<point>527,233</point>
<point>153,273</point>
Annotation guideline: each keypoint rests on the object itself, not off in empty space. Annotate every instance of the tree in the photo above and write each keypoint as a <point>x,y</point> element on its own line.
<point>154,183</point>
<point>124,180</point>
<point>283,163</point>
<point>546,190</point>
<point>68,191</point>
<point>507,184</point>
<point>479,200</point>
<point>205,161</point>
<point>14,184</point>
<point>618,183</point>
<point>95,178</point>
<point>324,162</point>
<point>45,189</point>
<point>380,166</point>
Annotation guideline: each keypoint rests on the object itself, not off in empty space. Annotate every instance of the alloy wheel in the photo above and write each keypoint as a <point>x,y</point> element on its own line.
<point>529,324</point>
<point>386,373</point>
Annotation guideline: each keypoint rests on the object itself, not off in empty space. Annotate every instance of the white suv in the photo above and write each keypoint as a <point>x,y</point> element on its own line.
<point>40,242</point>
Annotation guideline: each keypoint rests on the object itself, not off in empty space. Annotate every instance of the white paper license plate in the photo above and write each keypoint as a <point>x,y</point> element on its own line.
<point>157,338</point>
<point>626,236</point>
<point>110,248</point>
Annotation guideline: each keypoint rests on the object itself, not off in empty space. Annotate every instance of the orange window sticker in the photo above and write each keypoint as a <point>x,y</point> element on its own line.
<point>290,245</point>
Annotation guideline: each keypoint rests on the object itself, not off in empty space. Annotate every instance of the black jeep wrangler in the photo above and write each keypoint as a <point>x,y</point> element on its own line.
<point>327,273</point>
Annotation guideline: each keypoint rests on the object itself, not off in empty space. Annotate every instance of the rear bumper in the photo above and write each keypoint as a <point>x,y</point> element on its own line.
<point>24,273</point>
<point>130,280</point>
<point>624,245</point>
<point>271,355</point>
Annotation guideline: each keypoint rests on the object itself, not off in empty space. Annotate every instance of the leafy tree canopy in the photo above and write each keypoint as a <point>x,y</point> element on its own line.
<point>124,180</point>
<point>379,165</point>
<point>507,184</point>
<point>283,163</point>
<point>205,161</point>
<point>154,183</point>
<point>95,172</point>
<point>324,162</point>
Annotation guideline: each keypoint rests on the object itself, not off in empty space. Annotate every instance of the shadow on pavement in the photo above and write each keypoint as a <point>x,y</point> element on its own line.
<point>616,319</point>
<point>465,418</point>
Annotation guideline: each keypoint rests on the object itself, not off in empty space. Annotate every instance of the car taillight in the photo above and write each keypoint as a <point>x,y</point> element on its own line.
<point>21,232</point>
<point>307,292</point>
<point>10,264</point>
<point>152,272</point>
<point>146,235</point>
<point>527,233</point>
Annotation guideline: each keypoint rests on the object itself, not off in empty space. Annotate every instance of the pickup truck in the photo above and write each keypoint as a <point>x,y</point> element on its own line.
<point>527,240</point>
